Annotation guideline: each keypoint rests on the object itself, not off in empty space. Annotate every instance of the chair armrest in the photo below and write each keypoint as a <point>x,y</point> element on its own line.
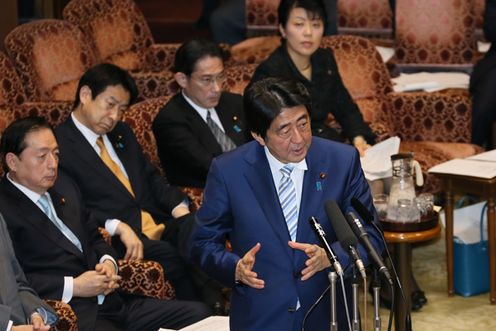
<point>145,278</point>
<point>160,57</point>
<point>195,195</point>
<point>439,116</point>
<point>67,318</point>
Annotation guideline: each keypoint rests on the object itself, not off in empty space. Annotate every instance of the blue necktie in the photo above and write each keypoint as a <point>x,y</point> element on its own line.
<point>45,204</point>
<point>287,198</point>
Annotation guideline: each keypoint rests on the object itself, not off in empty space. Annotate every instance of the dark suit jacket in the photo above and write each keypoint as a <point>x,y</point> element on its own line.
<point>102,192</point>
<point>46,255</point>
<point>186,145</point>
<point>17,300</point>
<point>241,201</point>
<point>329,95</point>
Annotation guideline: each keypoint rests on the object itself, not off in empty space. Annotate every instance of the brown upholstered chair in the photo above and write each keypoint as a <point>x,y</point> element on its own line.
<point>372,18</point>
<point>254,50</point>
<point>237,77</point>
<point>435,35</point>
<point>13,100</point>
<point>435,126</point>
<point>261,17</point>
<point>119,34</point>
<point>50,56</point>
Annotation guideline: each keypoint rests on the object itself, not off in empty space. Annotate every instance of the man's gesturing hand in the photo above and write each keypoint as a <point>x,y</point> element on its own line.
<point>317,258</point>
<point>244,269</point>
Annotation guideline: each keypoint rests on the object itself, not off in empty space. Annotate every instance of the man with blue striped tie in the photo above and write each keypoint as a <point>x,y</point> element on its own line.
<point>261,196</point>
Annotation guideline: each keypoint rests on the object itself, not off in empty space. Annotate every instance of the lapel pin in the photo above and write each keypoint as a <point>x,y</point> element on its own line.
<point>322,175</point>
<point>318,186</point>
<point>237,128</point>
<point>62,201</point>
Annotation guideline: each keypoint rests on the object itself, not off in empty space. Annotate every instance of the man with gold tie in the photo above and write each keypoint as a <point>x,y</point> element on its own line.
<point>119,184</point>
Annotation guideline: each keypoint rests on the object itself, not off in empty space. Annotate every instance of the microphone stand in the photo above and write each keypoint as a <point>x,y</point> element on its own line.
<point>333,276</point>
<point>376,287</point>
<point>355,323</point>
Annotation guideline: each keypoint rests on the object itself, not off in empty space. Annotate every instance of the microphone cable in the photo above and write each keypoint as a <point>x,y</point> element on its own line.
<point>367,217</point>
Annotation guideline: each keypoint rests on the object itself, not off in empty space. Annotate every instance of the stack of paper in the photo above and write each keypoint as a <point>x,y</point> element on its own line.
<point>212,323</point>
<point>376,163</point>
<point>430,81</point>
<point>467,167</point>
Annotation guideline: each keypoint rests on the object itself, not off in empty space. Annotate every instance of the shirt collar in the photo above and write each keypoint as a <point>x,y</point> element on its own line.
<point>200,110</point>
<point>276,165</point>
<point>32,195</point>
<point>89,135</point>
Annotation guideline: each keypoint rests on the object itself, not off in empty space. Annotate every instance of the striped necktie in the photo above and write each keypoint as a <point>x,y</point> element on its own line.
<point>224,141</point>
<point>287,198</point>
<point>148,226</point>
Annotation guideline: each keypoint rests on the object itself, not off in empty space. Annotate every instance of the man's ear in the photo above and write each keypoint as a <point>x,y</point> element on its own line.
<point>282,31</point>
<point>85,94</point>
<point>181,79</point>
<point>11,160</point>
<point>258,138</point>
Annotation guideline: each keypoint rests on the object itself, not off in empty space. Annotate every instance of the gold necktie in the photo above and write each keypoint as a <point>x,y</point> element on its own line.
<point>148,226</point>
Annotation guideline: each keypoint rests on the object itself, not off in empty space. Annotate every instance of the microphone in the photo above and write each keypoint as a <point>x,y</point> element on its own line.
<point>363,236</point>
<point>364,213</point>
<point>345,236</point>
<point>319,232</point>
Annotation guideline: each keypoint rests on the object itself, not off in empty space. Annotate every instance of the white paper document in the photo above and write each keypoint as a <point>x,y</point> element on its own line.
<point>466,167</point>
<point>212,323</point>
<point>486,156</point>
<point>386,53</point>
<point>430,81</point>
<point>376,162</point>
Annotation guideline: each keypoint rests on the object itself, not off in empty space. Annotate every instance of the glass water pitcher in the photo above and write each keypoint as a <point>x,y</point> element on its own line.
<point>402,206</point>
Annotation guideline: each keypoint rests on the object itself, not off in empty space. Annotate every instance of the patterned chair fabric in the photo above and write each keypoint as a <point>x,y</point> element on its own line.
<point>67,318</point>
<point>11,90</point>
<point>254,50</point>
<point>145,278</point>
<point>261,17</point>
<point>237,77</point>
<point>372,18</point>
<point>120,34</point>
<point>13,100</point>
<point>435,34</point>
<point>435,126</point>
<point>50,56</point>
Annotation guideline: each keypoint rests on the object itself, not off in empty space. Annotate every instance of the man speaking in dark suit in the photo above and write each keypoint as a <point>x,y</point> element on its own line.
<point>200,122</point>
<point>118,183</point>
<point>58,243</point>
<point>261,195</point>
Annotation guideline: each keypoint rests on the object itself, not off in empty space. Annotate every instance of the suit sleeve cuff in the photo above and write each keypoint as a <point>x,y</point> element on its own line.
<point>68,289</point>
<point>9,326</point>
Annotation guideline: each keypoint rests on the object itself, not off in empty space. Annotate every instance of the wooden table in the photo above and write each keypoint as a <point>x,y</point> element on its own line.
<point>402,259</point>
<point>486,189</point>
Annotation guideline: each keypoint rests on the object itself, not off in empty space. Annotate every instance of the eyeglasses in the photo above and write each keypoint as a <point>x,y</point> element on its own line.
<point>208,81</point>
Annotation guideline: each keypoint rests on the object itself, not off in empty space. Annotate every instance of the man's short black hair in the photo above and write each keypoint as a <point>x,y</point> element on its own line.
<point>189,53</point>
<point>103,75</point>
<point>315,8</point>
<point>14,136</point>
<point>265,99</point>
